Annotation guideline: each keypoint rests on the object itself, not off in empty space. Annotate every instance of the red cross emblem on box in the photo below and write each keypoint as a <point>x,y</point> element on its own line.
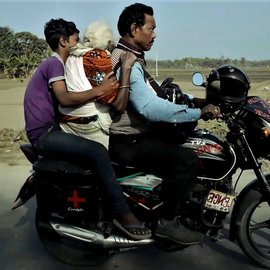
<point>76,199</point>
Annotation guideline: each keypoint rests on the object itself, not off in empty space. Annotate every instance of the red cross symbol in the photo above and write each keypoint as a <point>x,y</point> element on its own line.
<point>75,199</point>
<point>142,200</point>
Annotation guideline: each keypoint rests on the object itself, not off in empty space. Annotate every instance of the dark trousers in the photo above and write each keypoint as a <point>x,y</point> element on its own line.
<point>176,164</point>
<point>92,155</point>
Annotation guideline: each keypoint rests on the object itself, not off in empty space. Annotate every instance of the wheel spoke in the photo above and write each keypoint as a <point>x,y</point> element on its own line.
<point>254,231</point>
<point>256,226</point>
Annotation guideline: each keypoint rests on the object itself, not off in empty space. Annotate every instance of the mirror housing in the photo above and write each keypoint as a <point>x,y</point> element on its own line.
<point>198,79</point>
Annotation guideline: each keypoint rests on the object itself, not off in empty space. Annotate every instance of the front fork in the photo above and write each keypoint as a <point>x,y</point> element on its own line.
<point>255,165</point>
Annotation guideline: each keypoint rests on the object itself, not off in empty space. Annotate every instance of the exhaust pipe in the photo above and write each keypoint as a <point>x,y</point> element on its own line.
<point>96,238</point>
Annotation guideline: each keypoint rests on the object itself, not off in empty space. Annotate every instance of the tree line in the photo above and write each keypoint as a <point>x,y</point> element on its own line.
<point>22,52</point>
<point>207,63</point>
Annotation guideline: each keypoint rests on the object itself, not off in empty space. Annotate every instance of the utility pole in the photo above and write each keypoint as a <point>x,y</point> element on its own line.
<point>156,64</point>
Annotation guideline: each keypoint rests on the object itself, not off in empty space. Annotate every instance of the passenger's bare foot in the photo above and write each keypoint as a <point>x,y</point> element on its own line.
<point>131,226</point>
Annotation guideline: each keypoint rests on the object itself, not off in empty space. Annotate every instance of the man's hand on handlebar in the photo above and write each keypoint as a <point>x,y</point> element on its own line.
<point>210,111</point>
<point>199,102</point>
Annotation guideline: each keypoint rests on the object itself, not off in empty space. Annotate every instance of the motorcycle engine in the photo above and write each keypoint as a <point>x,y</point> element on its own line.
<point>196,215</point>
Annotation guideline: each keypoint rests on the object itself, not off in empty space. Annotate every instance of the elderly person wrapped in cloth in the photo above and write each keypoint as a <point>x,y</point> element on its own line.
<point>87,65</point>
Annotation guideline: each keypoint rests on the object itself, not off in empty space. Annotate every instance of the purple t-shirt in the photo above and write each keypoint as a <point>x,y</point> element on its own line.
<point>39,107</point>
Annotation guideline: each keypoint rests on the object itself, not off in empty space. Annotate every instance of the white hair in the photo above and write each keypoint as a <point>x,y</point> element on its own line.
<point>98,35</point>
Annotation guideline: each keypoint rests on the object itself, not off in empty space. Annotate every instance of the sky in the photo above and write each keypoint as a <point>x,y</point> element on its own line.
<point>185,28</point>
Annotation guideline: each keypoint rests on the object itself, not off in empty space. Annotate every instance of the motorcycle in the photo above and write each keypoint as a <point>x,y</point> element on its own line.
<point>75,225</point>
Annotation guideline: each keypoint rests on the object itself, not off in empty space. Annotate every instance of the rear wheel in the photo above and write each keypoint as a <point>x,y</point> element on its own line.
<point>69,251</point>
<point>253,231</point>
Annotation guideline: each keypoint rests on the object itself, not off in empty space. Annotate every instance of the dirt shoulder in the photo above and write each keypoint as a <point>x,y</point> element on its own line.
<point>10,141</point>
<point>12,122</point>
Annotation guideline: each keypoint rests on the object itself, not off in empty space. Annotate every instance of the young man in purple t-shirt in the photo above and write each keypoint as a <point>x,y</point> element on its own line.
<point>47,87</point>
<point>45,91</point>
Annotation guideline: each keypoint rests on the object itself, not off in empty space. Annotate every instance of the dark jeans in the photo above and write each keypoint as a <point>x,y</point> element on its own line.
<point>176,164</point>
<point>93,155</point>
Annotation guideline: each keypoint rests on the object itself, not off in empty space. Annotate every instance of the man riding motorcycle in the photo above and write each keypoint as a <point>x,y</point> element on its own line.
<point>134,144</point>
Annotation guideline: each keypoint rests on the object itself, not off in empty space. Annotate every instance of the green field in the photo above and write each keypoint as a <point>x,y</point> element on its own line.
<point>259,78</point>
<point>12,92</point>
<point>255,74</point>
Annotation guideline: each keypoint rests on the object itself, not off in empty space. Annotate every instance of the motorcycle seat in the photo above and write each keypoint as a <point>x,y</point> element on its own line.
<point>29,152</point>
<point>49,165</point>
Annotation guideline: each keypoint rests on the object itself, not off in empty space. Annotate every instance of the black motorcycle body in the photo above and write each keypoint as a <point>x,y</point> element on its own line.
<point>70,208</point>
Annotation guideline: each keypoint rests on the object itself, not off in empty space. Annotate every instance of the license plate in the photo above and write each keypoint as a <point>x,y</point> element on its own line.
<point>219,201</point>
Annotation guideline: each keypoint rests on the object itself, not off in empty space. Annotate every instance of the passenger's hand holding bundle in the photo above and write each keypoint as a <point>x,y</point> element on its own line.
<point>110,88</point>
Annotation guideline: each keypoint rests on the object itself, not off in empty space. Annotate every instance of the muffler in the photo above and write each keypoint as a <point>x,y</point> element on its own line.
<point>97,238</point>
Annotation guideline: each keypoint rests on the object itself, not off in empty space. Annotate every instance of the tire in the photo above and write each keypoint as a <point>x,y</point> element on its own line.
<point>68,251</point>
<point>253,228</point>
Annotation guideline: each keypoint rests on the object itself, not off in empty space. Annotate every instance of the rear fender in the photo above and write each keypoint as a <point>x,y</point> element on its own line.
<point>252,187</point>
<point>27,191</point>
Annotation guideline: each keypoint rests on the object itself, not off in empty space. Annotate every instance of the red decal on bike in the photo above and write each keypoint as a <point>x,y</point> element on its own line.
<point>209,148</point>
<point>262,114</point>
<point>75,199</point>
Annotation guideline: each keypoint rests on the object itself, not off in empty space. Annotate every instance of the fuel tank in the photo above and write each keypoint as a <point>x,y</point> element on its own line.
<point>216,157</point>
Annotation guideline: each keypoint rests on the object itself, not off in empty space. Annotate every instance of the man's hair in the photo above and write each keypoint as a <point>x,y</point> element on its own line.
<point>133,14</point>
<point>57,28</point>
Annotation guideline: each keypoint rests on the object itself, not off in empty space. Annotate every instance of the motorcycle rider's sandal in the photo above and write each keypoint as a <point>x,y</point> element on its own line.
<point>134,231</point>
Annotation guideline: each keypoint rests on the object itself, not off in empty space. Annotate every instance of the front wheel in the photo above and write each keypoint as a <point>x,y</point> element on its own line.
<point>253,228</point>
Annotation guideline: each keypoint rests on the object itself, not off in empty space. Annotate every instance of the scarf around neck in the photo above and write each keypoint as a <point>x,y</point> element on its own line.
<point>125,46</point>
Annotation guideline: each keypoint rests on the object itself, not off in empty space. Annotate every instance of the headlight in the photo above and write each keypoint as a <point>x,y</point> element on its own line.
<point>266,132</point>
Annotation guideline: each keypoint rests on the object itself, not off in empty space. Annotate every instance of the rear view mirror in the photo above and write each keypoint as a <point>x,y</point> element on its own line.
<point>198,79</point>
